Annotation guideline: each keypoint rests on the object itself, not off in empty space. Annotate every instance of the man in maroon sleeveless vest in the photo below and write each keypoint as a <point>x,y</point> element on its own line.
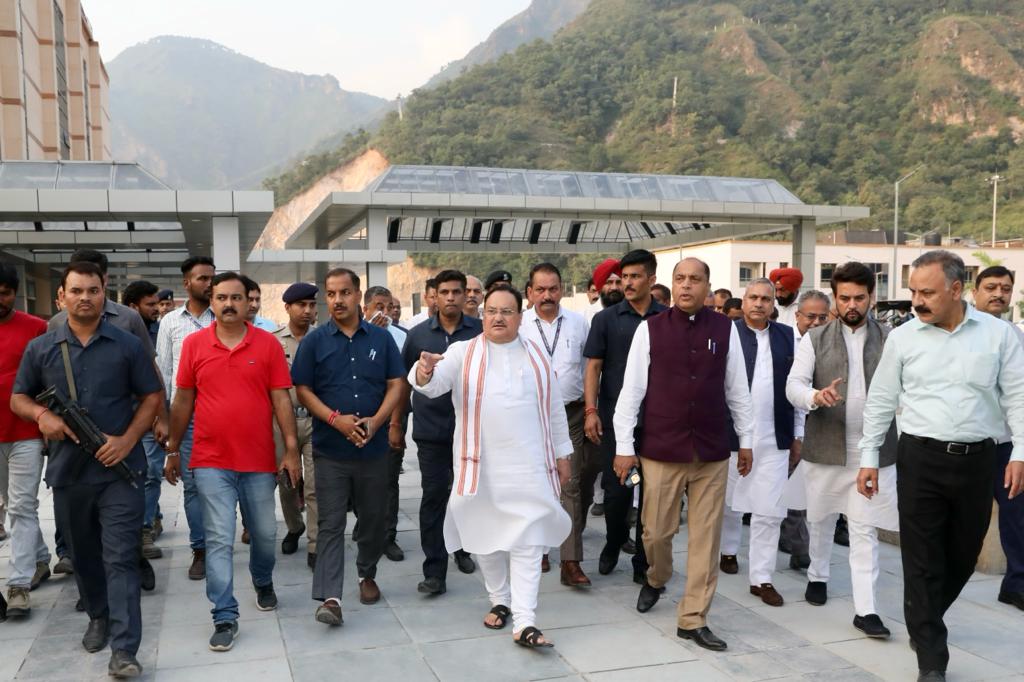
<point>686,372</point>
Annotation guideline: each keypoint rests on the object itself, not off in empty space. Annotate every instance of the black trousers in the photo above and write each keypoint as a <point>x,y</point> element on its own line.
<point>945,503</point>
<point>395,459</point>
<point>1011,524</point>
<point>102,525</point>
<point>618,500</point>
<point>436,475</point>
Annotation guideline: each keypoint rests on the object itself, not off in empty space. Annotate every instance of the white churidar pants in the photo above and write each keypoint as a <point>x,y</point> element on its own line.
<point>732,531</point>
<point>863,559</point>
<point>513,579</point>
<point>764,547</point>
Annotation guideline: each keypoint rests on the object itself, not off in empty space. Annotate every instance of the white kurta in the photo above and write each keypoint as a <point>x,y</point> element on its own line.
<point>515,505</point>
<point>762,491</point>
<point>832,489</point>
<point>787,313</point>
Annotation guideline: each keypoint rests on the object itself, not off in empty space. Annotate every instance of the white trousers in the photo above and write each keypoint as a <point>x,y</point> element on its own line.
<point>732,531</point>
<point>863,559</point>
<point>764,547</point>
<point>513,579</point>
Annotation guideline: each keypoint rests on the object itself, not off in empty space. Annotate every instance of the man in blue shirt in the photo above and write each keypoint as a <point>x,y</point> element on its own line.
<point>433,427</point>
<point>100,511</point>
<point>348,374</point>
<point>957,377</point>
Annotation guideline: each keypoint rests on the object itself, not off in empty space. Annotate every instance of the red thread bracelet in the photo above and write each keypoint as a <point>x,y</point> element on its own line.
<point>334,415</point>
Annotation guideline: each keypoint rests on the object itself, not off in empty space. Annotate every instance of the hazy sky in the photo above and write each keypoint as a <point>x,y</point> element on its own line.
<point>383,47</point>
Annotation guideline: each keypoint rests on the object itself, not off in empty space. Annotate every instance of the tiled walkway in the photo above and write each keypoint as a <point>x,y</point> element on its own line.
<point>408,637</point>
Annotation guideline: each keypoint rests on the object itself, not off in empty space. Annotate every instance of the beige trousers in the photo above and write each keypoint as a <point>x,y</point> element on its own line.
<point>703,483</point>
<point>578,492</point>
<point>289,498</point>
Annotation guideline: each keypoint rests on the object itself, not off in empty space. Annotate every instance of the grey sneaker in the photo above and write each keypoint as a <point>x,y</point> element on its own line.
<point>41,575</point>
<point>266,599</point>
<point>64,566</point>
<point>17,602</point>
<point>123,664</point>
<point>149,549</point>
<point>224,635</point>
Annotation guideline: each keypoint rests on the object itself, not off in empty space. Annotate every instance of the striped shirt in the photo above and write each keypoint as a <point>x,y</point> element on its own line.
<point>174,327</point>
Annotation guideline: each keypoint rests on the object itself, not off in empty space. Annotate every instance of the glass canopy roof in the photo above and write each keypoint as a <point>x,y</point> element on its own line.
<point>502,181</point>
<point>103,175</point>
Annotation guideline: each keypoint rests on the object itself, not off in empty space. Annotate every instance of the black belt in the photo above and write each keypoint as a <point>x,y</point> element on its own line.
<point>952,448</point>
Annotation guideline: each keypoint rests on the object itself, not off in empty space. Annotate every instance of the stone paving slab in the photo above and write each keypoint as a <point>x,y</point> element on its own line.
<point>599,635</point>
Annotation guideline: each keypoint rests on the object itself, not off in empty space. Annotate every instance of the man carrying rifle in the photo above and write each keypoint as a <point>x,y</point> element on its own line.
<point>104,370</point>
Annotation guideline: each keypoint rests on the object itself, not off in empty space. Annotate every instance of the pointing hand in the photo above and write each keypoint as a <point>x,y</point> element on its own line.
<point>829,396</point>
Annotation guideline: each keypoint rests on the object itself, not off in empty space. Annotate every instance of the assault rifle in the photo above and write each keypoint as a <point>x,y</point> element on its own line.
<point>90,438</point>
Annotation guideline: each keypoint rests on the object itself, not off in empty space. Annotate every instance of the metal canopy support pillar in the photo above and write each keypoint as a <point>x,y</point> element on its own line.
<point>804,242</point>
<point>226,254</point>
<point>376,242</point>
<point>323,315</point>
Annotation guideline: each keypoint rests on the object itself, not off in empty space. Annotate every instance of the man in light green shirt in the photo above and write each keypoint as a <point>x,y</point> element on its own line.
<point>956,377</point>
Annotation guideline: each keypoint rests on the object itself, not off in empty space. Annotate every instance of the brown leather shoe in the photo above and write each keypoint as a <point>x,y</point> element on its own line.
<point>573,575</point>
<point>545,565</point>
<point>767,594</point>
<point>729,565</point>
<point>329,613</point>
<point>197,571</point>
<point>369,593</point>
<point>245,536</point>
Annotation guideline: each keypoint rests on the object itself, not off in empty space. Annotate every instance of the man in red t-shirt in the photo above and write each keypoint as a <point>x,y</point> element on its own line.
<point>21,455</point>
<point>235,378</point>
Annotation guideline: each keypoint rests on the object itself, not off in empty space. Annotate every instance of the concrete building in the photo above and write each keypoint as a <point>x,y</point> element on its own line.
<point>734,263</point>
<point>53,85</point>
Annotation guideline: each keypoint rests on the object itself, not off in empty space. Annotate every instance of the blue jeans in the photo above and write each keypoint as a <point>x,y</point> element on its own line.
<point>154,478</point>
<point>221,492</point>
<point>193,508</point>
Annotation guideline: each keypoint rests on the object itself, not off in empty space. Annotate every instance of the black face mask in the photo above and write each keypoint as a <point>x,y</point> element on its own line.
<point>611,298</point>
<point>786,300</point>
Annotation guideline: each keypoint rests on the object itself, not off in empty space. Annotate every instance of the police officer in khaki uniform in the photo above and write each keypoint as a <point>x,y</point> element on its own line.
<point>300,304</point>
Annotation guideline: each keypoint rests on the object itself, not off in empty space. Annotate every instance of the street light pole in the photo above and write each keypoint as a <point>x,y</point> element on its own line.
<point>995,198</point>
<point>896,233</point>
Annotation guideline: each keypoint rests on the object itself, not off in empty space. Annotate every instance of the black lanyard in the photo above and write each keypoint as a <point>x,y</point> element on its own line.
<point>558,331</point>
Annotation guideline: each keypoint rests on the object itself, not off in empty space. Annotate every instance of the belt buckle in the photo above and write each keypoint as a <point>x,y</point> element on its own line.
<point>951,448</point>
<point>301,412</point>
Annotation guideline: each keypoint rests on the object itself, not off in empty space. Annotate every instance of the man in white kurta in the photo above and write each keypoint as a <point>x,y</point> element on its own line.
<point>512,450</point>
<point>830,476</point>
<point>762,493</point>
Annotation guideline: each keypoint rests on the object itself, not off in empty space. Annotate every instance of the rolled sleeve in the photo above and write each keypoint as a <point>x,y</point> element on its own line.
<point>634,388</point>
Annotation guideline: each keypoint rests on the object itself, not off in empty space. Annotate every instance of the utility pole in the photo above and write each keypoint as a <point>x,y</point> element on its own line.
<point>896,233</point>
<point>994,180</point>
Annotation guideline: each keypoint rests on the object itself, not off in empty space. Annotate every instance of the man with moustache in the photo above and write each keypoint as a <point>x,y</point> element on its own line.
<point>606,350</point>
<point>767,349</point>
<point>233,373</point>
<point>562,334</point>
<point>512,458</point>
<point>474,296</point>
<point>993,290</point>
<point>109,373</point>
<point>197,273</point>
<point>433,428</point>
<point>957,375</point>
<point>787,283</point>
<point>141,296</point>
<point>685,375</point>
<point>348,374</point>
<point>841,359</point>
<point>21,455</point>
<point>300,305</point>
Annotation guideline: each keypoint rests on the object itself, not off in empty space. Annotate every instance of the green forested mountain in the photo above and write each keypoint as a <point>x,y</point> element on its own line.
<point>834,98</point>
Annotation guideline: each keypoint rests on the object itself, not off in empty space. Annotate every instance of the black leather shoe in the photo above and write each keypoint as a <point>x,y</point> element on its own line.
<point>639,576</point>
<point>123,664</point>
<point>607,561</point>
<point>816,593</point>
<point>290,544</point>
<point>702,637</point>
<point>464,562</point>
<point>629,547</point>
<point>96,635</point>
<point>432,586</point>
<point>393,552</point>
<point>931,676</point>
<point>147,578</point>
<point>648,597</point>
<point>871,625</point>
<point>1012,598</point>
<point>799,562</point>
<point>842,534</point>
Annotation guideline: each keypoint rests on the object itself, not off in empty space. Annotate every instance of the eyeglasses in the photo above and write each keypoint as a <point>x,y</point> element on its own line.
<point>503,312</point>
<point>812,317</point>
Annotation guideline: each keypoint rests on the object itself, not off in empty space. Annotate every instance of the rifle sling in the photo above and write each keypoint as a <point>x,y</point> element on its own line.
<point>67,371</point>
